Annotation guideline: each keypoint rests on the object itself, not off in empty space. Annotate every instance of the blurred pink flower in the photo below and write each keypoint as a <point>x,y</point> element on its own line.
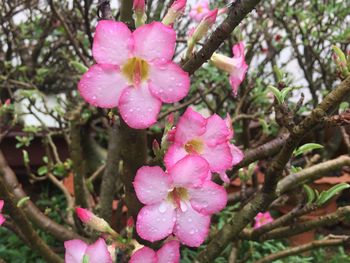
<point>134,71</point>
<point>77,251</point>
<point>200,10</point>
<point>168,253</point>
<point>262,219</point>
<point>236,66</point>
<point>206,137</point>
<point>178,201</point>
<point>2,218</point>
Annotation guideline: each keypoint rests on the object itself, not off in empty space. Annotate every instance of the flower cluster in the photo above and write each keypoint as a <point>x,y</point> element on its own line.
<point>181,200</point>
<point>200,10</point>
<point>2,218</point>
<point>262,219</point>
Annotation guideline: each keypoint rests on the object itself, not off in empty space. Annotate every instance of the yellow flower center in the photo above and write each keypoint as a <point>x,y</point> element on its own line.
<point>194,146</point>
<point>199,9</point>
<point>178,196</point>
<point>136,70</point>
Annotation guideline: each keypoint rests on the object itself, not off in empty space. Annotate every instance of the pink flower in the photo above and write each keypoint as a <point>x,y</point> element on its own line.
<point>93,221</point>
<point>178,201</point>
<point>200,10</point>
<point>134,71</point>
<point>236,66</point>
<point>262,219</point>
<point>2,218</point>
<point>168,253</point>
<point>207,137</point>
<point>77,251</point>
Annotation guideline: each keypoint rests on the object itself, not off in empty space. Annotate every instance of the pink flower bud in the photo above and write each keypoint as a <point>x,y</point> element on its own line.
<point>174,12</point>
<point>210,18</point>
<point>155,146</point>
<point>7,102</point>
<point>179,5</point>
<point>130,222</point>
<point>139,5</point>
<point>170,119</point>
<point>84,215</point>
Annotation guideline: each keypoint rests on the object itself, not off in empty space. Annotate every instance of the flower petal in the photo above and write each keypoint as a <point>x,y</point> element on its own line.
<point>174,154</point>
<point>170,252</point>
<point>191,125</point>
<point>191,227</point>
<point>237,154</point>
<point>75,250</point>
<point>219,157</point>
<point>112,42</point>
<point>151,185</point>
<point>216,131</point>
<point>155,222</point>
<point>191,171</point>
<point>208,199</point>
<point>98,252</point>
<point>1,204</point>
<point>169,82</point>
<point>154,41</point>
<point>102,85</point>
<point>138,107</point>
<point>144,255</point>
<point>237,77</point>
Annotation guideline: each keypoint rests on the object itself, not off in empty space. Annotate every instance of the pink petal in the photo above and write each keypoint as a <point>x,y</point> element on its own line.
<point>208,199</point>
<point>2,219</point>
<point>238,52</point>
<point>224,177</point>
<point>169,82</point>
<point>144,255</point>
<point>151,185</point>
<point>191,227</point>
<point>75,250</point>
<point>219,157</point>
<point>170,252</point>
<point>154,41</point>
<point>237,154</point>
<point>1,204</point>
<point>138,107</point>
<point>155,222</point>
<point>191,125</point>
<point>174,154</point>
<point>112,42</point>
<point>237,77</point>
<point>98,252</point>
<point>216,131</point>
<point>101,85</point>
<point>191,171</point>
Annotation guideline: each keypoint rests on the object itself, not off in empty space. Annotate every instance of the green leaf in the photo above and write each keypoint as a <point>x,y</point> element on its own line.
<point>42,170</point>
<point>284,92</point>
<point>22,201</point>
<point>307,148</point>
<point>277,93</point>
<point>78,66</point>
<point>278,72</point>
<point>310,193</point>
<point>59,170</point>
<point>325,196</point>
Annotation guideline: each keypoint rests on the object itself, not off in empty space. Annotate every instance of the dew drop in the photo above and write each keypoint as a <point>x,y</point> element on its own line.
<point>162,208</point>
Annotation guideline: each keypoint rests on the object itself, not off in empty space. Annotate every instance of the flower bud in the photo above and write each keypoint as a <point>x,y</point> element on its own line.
<point>93,221</point>
<point>139,12</point>
<point>201,30</point>
<point>174,12</point>
<point>341,62</point>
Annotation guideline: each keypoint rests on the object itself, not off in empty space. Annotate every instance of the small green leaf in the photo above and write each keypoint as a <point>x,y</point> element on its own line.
<point>42,170</point>
<point>284,92</point>
<point>277,93</point>
<point>86,259</point>
<point>295,169</point>
<point>59,170</point>
<point>78,66</point>
<point>22,201</point>
<point>307,148</point>
<point>325,196</point>
<point>278,72</point>
<point>310,193</point>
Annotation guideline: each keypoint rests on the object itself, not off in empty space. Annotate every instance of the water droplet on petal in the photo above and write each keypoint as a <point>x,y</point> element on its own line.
<point>162,207</point>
